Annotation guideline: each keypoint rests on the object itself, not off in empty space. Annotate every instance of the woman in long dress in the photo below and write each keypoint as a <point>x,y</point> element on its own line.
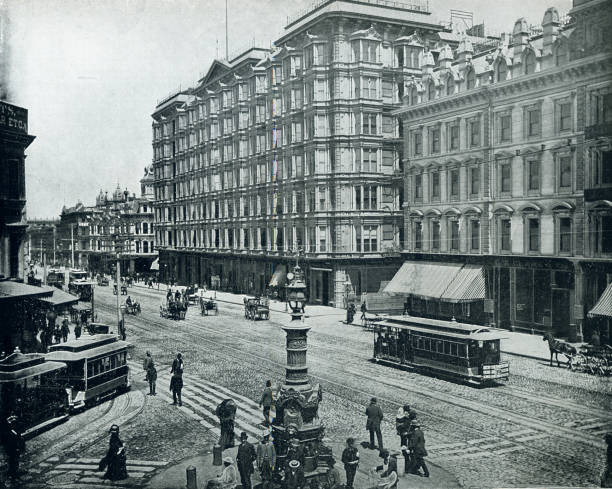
<point>115,460</point>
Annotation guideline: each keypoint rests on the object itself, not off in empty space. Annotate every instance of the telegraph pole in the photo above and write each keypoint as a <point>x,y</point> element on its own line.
<point>118,279</point>
<point>72,244</point>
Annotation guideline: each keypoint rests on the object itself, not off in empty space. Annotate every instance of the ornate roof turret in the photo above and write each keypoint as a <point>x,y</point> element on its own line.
<point>520,27</point>
<point>551,16</point>
<point>465,46</point>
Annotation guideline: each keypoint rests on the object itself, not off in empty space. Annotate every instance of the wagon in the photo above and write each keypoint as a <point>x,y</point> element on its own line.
<point>173,310</point>
<point>208,306</point>
<point>596,360</point>
<point>133,309</point>
<point>123,289</point>
<point>103,281</point>
<point>256,308</point>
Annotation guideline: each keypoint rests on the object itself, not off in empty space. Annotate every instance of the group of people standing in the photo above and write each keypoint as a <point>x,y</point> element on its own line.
<point>53,333</point>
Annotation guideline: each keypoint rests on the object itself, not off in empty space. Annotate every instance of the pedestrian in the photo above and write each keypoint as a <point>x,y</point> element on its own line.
<point>122,331</point>
<point>294,475</point>
<point>169,295</point>
<point>419,450</point>
<point>226,412</point>
<point>115,459</point>
<point>13,444</point>
<point>350,459</point>
<point>65,330</point>
<point>350,313</point>
<point>57,335</point>
<point>176,381</point>
<point>244,459</point>
<point>228,478</point>
<point>77,330</point>
<point>148,360</point>
<point>84,318</point>
<point>402,423</point>
<point>267,400</point>
<point>364,309</point>
<point>387,471</point>
<point>266,459</point>
<point>375,416</point>
<point>151,378</point>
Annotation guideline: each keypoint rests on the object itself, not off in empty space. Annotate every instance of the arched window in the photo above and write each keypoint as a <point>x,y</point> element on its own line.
<point>561,55</point>
<point>431,90</point>
<point>530,63</point>
<point>450,85</point>
<point>470,78</point>
<point>414,96</point>
<point>502,71</point>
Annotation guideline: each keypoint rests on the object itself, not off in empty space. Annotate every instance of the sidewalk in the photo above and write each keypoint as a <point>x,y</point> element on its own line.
<point>174,477</point>
<point>518,344</point>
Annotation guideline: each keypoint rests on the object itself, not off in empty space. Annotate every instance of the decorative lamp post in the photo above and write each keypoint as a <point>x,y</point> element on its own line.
<point>297,430</point>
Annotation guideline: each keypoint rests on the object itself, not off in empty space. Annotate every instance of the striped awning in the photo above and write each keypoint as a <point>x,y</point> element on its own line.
<point>428,280</point>
<point>603,307</point>
<point>468,285</point>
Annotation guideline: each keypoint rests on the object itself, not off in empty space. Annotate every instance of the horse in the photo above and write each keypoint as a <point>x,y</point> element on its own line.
<point>559,346</point>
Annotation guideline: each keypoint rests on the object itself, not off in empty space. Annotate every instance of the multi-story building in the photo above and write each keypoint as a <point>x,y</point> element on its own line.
<point>295,148</point>
<point>125,220</point>
<point>72,236</point>
<point>508,177</point>
<point>14,139</point>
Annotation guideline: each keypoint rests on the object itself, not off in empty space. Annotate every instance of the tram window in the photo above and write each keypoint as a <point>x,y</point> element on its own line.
<point>453,349</point>
<point>447,347</point>
<point>114,361</point>
<point>462,351</point>
<point>421,342</point>
<point>106,363</point>
<point>426,344</point>
<point>439,346</point>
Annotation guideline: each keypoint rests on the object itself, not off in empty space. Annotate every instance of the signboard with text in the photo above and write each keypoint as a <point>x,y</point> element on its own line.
<point>13,118</point>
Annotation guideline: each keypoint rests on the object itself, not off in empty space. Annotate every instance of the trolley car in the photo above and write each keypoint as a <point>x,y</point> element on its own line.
<point>97,368</point>
<point>463,351</point>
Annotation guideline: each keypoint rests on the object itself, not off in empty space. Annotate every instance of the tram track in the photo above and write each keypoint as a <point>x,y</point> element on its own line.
<point>521,421</point>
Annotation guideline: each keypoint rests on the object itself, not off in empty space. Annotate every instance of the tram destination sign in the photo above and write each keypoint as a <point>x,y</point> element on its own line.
<point>13,118</point>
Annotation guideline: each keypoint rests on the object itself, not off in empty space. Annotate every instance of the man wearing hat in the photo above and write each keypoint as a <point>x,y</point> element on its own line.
<point>350,459</point>
<point>375,416</point>
<point>228,478</point>
<point>294,475</point>
<point>419,451</point>
<point>244,459</point>
<point>14,445</point>
<point>266,459</point>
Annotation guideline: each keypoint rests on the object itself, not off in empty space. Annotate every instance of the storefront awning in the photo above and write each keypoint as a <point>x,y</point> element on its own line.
<point>155,265</point>
<point>59,297</point>
<point>279,276</point>
<point>428,280</point>
<point>468,285</point>
<point>603,308</point>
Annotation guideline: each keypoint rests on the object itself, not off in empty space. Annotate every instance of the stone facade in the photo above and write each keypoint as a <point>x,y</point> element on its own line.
<point>498,171</point>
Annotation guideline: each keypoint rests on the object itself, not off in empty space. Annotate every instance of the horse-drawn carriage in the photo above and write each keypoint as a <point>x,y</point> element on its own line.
<point>208,306</point>
<point>102,281</point>
<point>132,308</point>
<point>592,359</point>
<point>123,289</point>
<point>173,309</point>
<point>256,308</point>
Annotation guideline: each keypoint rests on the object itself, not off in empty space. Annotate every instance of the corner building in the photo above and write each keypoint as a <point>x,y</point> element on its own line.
<point>508,175</point>
<point>293,148</point>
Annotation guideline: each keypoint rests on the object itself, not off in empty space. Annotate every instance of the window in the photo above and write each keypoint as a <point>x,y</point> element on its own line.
<point>435,140</point>
<point>564,116</point>
<point>475,235</point>
<point>454,184</point>
<point>369,124</point>
<point>370,238</point>
<point>454,235</point>
<point>603,233</point>
<point>505,228</point>
<point>530,63</point>
<point>505,176</point>
<point>470,79</point>
<point>562,54</point>
<point>431,90</point>
<point>435,235</point>
<point>565,235</point>
<point>435,185</point>
<point>369,160</point>
<point>533,122</point>
<point>454,137</point>
<point>505,128</point>
<point>474,181</point>
<point>533,175</point>
<point>322,238</point>
<point>565,172</point>
<point>418,235</point>
<point>502,71</point>
<point>417,143</point>
<point>450,85</point>
<point>533,234</point>
<point>474,133</point>
<point>418,187</point>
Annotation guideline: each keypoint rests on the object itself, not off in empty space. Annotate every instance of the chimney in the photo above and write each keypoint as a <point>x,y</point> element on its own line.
<point>445,58</point>
<point>428,63</point>
<point>464,52</point>
<point>520,37</point>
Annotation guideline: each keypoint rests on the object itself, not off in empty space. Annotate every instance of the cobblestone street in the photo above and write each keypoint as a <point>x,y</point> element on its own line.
<point>544,427</point>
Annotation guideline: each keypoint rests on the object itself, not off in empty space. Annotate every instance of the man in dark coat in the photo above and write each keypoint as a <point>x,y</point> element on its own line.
<point>266,459</point>
<point>375,416</point>
<point>77,330</point>
<point>364,309</point>
<point>14,445</point>
<point>226,412</point>
<point>350,459</point>
<point>266,401</point>
<point>419,450</point>
<point>244,459</point>
<point>176,381</point>
<point>65,330</point>
<point>115,460</point>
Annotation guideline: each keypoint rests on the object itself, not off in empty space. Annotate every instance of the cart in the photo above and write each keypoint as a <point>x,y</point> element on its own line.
<point>256,308</point>
<point>123,289</point>
<point>132,309</point>
<point>103,281</point>
<point>173,310</point>
<point>208,306</point>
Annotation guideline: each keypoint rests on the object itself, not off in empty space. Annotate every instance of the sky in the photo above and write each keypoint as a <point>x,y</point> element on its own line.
<point>90,73</point>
